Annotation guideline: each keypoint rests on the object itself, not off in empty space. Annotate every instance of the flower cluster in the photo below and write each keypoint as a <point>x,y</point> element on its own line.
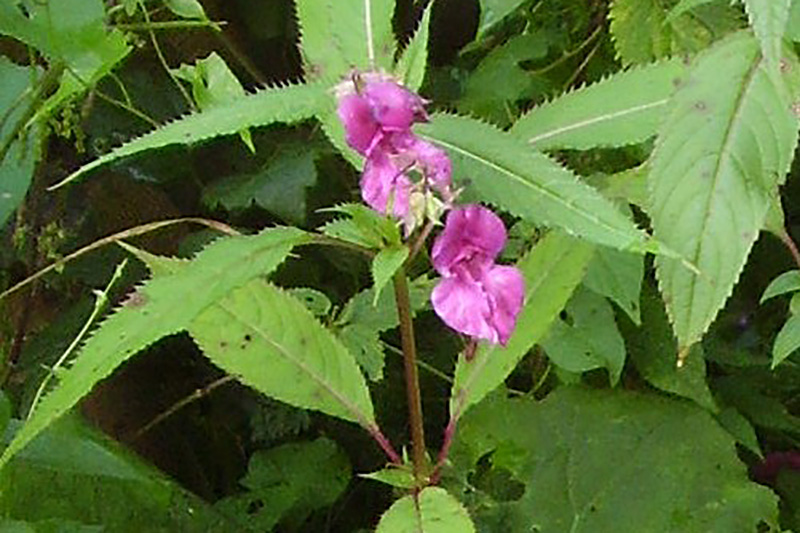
<point>475,296</point>
<point>377,121</point>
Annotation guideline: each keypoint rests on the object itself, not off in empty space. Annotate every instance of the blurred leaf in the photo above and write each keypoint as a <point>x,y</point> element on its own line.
<point>189,9</point>
<point>625,108</point>
<point>617,276</point>
<point>654,351</point>
<point>768,19</point>
<point>746,394</point>
<point>588,338</point>
<point>551,270</point>
<point>365,345</point>
<point>73,475</point>
<point>315,301</point>
<point>740,429</point>
<point>709,197</point>
<point>606,449</point>
<point>493,11</point>
<point>793,24</point>
<point>685,5</point>
<point>381,314</point>
<point>413,62</point>
<point>16,168</point>
<point>384,266</point>
<point>786,282</point>
<point>787,341</point>
<point>433,510</point>
<point>279,187</point>
<point>289,482</point>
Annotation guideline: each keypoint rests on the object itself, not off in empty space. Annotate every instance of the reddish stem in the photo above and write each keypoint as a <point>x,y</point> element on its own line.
<point>386,446</point>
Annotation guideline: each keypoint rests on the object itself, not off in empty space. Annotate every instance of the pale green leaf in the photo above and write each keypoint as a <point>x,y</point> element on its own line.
<point>493,11</point>
<point>272,343</point>
<point>786,282</point>
<point>643,32</point>
<point>551,271</point>
<point>161,307</point>
<point>315,301</point>
<point>793,24</point>
<point>501,169</point>
<point>588,338</point>
<point>402,478</point>
<point>385,264</point>
<point>625,108</point>
<point>726,144</point>
<point>433,510</point>
<point>16,168</point>
<point>787,341</point>
<point>365,227</point>
<point>413,62</point>
<point>621,461</point>
<point>289,104</point>
<point>188,9</point>
<point>685,5</point>
<point>768,19</point>
<point>618,276</point>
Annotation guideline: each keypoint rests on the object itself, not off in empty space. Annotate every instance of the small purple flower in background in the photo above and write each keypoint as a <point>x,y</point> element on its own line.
<point>476,296</point>
<point>377,121</point>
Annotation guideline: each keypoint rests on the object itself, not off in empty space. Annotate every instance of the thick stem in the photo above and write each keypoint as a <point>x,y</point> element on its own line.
<point>412,379</point>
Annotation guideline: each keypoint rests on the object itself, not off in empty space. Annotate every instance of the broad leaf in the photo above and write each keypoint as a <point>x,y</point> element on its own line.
<point>385,264</point>
<point>617,276</point>
<point>272,343</point>
<point>552,270</point>
<point>16,168</point>
<point>189,9</point>
<point>433,510</point>
<point>161,307</point>
<point>786,282</point>
<point>413,62</point>
<point>501,169</point>
<point>768,19</point>
<point>622,462</point>
<point>288,104</point>
<point>725,146</point>
<point>625,108</point>
<point>787,341</point>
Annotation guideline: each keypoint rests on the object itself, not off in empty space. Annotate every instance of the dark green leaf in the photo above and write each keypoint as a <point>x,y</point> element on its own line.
<point>618,276</point>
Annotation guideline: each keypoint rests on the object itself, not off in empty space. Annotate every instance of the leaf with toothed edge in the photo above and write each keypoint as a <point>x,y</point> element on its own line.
<point>289,104</point>
<point>768,19</point>
<point>413,62</point>
<point>501,169</point>
<point>625,108</point>
<point>162,306</point>
<point>725,146</point>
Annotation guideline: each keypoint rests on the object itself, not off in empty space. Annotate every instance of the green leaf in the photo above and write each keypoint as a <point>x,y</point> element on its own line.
<point>605,450</point>
<point>642,30</point>
<point>413,62</point>
<point>726,144</point>
<point>365,345</point>
<point>625,108</point>
<point>16,168</point>
<point>793,24</point>
<point>652,349</point>
<point>787,341</point>
<point>433,510</point>
<point>768,19</point>
<point>188,9</point>
<point>381,314</point>
<point>617,276</point>
<point>501,169</point>
<point>108,487</point>
<point>272,343</point>
<point>384,266</point>
<point>588,339</point>
<point>315,301</point>
<point>402,478</point>
<point>685,5</point>
<point>740,429</point>
<point>280,186</point>
<point>289,482</point>
<point>551,270</point>
<point>493,11</point>
<point>786,282</point>
<point>161,307</point>
<point>289,104</point>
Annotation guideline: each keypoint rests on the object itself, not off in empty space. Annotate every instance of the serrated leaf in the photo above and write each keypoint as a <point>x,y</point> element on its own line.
<point>685,5</point>
<point>768,19</point>
<point>625,108</point>
<point>605,450</point>
<point>433,510</point>
<point>385,264</point>
<point>188,9</point>
<point>413,62</point>
<point>786,282</point>
<point>272,343</point>
<point>501,169</point>
<point>551,270</point>
<point>589,340</point>
<point>365,345</point>
<point>381,315</point>
<point>289,104</point>
<point>642,30</point>
<point>617,276</point>
<point>727,143</point>
<point>315,301</point>
<point>161,307</point>
<point>365,227</point>
<point>395,477</point>
<point>787,341</point>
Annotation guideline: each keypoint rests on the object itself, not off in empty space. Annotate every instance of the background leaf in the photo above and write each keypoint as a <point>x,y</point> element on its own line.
<point>617,276</point>
<point>433,510</point>
<point>786,282</point>
<point>726,144</point>
<point>768,19</point>
<point>493,11</point>
<point>189,9</point>
<point>413,62</point>
<point>787,341</point>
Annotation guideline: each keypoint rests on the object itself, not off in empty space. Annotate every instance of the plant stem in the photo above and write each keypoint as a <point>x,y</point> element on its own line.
<point>385,445</point>
<point>790,244</point>
<point>418,456</point>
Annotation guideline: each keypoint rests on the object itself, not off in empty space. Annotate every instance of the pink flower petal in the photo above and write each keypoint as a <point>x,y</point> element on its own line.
<point>470,232</point>
<point>394,106</point>
<point>360,125</point>
<point>505,288</point>
<point>382,182</point>
<point>464,307</point>
<point>435,164</point>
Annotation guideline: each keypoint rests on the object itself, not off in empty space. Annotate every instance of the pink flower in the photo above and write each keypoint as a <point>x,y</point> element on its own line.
<point>476,296</point>
<point>384,183</point>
